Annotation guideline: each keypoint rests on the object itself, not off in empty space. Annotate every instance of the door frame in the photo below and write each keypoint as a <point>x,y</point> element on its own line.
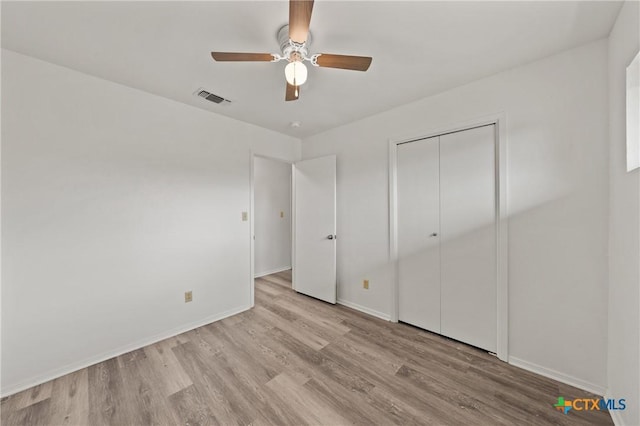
<point>252,231</point>
<point>502,285</point>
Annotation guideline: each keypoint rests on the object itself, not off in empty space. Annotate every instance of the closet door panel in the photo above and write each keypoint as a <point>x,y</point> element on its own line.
<point>418,219</point>
<point>468,246</point>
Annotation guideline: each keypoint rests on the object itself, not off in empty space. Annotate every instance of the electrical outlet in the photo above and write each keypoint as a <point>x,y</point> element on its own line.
<point>188,296</point>
<point>365,284</point>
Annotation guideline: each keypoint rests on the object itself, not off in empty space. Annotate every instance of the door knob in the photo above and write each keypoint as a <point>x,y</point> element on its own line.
<point>435,234</point>
<point>330,237</point>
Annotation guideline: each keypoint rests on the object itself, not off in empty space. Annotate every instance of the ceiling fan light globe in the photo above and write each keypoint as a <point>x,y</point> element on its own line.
<point>296,73</point>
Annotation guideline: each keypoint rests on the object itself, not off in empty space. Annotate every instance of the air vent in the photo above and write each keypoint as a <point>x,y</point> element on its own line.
<point>211,97</point>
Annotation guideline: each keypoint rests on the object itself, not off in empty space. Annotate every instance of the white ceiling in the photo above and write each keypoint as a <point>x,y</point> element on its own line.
<point>419,48</point>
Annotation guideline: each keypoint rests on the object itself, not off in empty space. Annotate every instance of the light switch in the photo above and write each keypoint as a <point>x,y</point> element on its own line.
<point>281,214</point>
<point>245,216</point>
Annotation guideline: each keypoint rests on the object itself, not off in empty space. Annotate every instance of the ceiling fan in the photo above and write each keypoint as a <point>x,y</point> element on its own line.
<point>294,42</point>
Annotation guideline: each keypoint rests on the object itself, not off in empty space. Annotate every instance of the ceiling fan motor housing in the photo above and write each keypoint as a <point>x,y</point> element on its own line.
<point>288,47</point>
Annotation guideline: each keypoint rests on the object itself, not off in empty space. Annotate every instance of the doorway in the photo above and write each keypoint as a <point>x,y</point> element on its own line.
<point>271,217</point>
<point>293,224</point>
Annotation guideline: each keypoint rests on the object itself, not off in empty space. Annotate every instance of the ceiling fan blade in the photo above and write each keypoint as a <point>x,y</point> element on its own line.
<point>299,18</point>
<point>345,62</point>
<point>233,56</point>
<point>290,94</point>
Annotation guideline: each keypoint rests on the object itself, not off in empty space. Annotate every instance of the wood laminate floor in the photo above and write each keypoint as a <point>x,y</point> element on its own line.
<point>293,360</point>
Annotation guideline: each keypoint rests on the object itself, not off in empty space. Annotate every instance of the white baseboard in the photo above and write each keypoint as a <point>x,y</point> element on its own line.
<point>556,375</point>
<point>70,368</point>
<point>364,309</point>
<point>262,274</point>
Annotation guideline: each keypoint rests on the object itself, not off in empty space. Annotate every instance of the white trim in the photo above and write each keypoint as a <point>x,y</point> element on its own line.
<point>252,236</point>
<point>1,230</point>
<point>502,239</point>
<point>393,229</point>
<point>293,226</point>
<point>440,130</point>
<point>556,375</point>
<point>363,309</point>
<point>70,368</point>
<point>273,271</point>
<point>502,285</point>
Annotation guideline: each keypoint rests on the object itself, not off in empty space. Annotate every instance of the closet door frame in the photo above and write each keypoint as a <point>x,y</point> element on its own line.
<point>502,314</point>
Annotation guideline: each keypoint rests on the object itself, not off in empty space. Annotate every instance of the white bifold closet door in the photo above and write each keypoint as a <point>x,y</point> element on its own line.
<point>447,281</point>
<point>418,195</point>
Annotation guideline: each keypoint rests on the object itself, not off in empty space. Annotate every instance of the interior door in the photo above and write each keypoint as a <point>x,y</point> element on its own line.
<point>468,236</point>
<point>418,203</point>
<point>314,270</point>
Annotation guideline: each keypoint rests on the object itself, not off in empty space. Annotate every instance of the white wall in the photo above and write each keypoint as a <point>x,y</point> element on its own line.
<point>557,121</point>
<point>272,195</point>
<point>624,226</point>
<point>115,202</point>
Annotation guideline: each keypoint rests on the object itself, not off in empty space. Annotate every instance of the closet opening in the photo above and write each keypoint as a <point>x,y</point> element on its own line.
<point>448,234</point>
